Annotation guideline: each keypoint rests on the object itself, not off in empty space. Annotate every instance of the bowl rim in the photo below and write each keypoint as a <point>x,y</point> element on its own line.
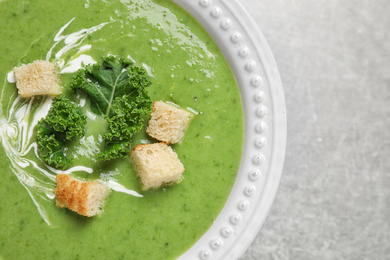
<point>265,128</point>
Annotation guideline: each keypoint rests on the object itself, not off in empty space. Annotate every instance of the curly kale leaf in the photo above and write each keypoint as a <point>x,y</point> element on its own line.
<point>126,119</point>
<point>110,78</point>
<point>64,122</point>
<point>50,149</point>
<point>66,117</point>
<point>117,90</point>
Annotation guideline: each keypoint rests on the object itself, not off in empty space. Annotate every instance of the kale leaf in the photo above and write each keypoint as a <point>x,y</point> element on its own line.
<point>117,90</point>
<point>66,117</point>
<point>63,123</point>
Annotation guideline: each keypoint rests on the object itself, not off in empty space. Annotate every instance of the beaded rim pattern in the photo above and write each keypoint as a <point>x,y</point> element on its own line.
<point>255,70</point>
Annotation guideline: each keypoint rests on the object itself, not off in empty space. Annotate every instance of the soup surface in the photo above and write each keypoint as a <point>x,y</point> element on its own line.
<point>185,67</point>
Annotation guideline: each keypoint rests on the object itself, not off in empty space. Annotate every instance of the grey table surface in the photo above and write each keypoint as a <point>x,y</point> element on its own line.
<point>334,196</point>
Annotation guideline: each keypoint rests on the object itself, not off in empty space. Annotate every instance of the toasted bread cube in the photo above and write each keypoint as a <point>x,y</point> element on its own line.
<point>85,198</point>
<point>168,123</point>
<point>156,164</point>
<point>37,78</point>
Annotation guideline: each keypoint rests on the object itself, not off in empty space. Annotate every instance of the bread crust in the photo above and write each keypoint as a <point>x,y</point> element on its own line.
<point>85,198</point>
<point>168,123</point>
<point>156,165</point>
<point>37,78</point>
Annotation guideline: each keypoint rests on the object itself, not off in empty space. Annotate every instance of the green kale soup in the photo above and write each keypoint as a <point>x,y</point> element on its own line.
<point>185,67</point>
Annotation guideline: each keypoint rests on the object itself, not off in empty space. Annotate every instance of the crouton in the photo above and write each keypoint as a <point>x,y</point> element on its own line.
<point>37,78</point>
<point>168,123</point>
<point>156,164</point>
<point>85,198</point>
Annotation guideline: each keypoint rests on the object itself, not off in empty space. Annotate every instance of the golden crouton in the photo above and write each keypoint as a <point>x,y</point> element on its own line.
<point>156,164</point>
<point>85,198</point>
<point>37,78</point>
<point>168,123</point>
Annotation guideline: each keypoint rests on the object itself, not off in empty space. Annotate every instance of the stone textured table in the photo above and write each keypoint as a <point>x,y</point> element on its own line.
<point>334,196</point>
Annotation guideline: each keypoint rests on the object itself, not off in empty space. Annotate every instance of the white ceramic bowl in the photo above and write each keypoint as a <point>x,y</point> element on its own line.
<point>255,70</point>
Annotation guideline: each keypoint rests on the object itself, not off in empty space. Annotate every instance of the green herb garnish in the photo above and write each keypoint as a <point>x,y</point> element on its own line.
<point>117,91</point>
<point>63,123</point>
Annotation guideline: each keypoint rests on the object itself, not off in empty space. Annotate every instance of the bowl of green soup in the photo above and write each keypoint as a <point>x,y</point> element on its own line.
<point>202,56</point>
